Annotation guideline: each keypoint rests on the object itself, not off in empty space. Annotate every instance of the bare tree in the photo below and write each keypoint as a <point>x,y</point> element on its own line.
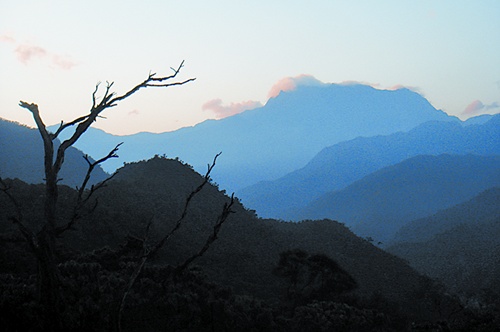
<point>43,241</point>
<point>149,251</point>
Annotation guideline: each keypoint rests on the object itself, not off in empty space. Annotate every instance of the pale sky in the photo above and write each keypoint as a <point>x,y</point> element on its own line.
<point>54,52</point>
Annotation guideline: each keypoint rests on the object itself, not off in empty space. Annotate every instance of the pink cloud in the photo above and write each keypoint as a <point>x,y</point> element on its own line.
<point>63,62</point>
<point>25,53</point>
<point>135,111</point>
<point>477,106</point>
<point>291,83</point>
<point>474,107</point>
<point>222,111</point>
<point>7,39</point>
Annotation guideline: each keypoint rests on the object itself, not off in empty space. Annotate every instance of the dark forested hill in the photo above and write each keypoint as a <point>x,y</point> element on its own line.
<point>459,246</point>
<point>21,156</point>
<point>381,203</point>
<point>280,137</point>
<point>338,166</point>
<point>247,249</point>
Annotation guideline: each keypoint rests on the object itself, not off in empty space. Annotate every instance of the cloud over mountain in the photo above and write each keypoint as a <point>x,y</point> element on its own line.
<point>222,111</point>
<point>291,83</point>
<point>379,86</point>
<point>477,106</point>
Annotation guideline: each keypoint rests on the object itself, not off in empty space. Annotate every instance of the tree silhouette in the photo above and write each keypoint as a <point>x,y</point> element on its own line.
<point>42,242</point>
<point>312,277</point>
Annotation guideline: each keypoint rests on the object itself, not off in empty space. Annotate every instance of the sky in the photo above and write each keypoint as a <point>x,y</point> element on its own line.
<point>53,53</point>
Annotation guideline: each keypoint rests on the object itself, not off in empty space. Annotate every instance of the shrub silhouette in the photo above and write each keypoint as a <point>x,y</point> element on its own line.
<point>312,277</point>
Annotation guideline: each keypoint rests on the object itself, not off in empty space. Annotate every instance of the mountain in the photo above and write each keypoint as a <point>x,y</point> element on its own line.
<point>381,203</point>
<point>282,136</point>
<point>247,249</point>
<point>459,246</point>
<point>337,166</point>
<point>22,153</point>
<point>483,208</point>
<point>480,119</point>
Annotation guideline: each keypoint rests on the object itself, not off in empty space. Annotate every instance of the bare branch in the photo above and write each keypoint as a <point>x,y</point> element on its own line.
<point>80,200</point>
<point>178,223</point>
<point>94,93</point>
<point>46,137</point>
<point>63,126</point>
<point>146,83</point>
<point>171,84</point>
<point>18,218</point>
<point>147,253</point>
<point>107,101</point>
<point>222,218</point>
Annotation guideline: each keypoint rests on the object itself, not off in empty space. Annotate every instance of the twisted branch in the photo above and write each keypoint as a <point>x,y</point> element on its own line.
<point>80,200</point>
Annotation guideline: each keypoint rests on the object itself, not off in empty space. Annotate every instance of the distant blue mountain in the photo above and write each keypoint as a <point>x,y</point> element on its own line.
<point>338,166</point>
<point>481,209</point>
<point>282,136</point>
<point>459,246</point>
<point>381,203</point>
<point>21,156</point>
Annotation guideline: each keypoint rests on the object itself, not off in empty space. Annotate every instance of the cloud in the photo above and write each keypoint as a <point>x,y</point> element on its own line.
<point>380,87</point>
<point>353,82</point>
<point>291,83</point>
<point>25,53</point>
<point>135,111</point>
<point>63,62</point>
<point>7,39</point>
<point>477,107</point>
<point>222,111</point>
<point>409,87</point>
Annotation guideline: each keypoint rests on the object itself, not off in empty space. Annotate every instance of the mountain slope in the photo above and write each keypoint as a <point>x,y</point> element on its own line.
<point>21,156</point>
<point>247,249</point>
<point>483,208</point>
<point>459,246</point>
<point>282,136</point>
<point>381,203</point>
<point>337,166</point>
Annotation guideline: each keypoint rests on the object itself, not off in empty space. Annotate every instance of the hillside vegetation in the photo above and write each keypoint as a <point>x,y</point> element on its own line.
<point>239,266</point>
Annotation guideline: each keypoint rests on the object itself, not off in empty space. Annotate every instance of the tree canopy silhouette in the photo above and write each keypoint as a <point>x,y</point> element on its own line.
<point>311,277</point>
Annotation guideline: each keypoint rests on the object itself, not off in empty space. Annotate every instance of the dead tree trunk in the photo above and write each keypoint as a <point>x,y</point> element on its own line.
<point>43,242</point>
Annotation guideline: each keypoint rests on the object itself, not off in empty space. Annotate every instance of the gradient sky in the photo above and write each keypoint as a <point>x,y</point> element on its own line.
<point>54,52</point>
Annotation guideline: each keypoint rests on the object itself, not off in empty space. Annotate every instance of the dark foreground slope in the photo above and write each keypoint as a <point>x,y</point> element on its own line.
<point>242,259</point>
<point>248,248</point>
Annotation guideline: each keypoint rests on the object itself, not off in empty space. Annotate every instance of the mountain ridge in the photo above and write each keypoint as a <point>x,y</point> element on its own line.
<point>382,202</point>
<point>282,135</point>
<point>336,166</point>
<point>458,246</point>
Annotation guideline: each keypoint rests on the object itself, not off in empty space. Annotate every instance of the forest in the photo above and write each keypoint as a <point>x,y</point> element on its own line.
<point>259,274</point>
